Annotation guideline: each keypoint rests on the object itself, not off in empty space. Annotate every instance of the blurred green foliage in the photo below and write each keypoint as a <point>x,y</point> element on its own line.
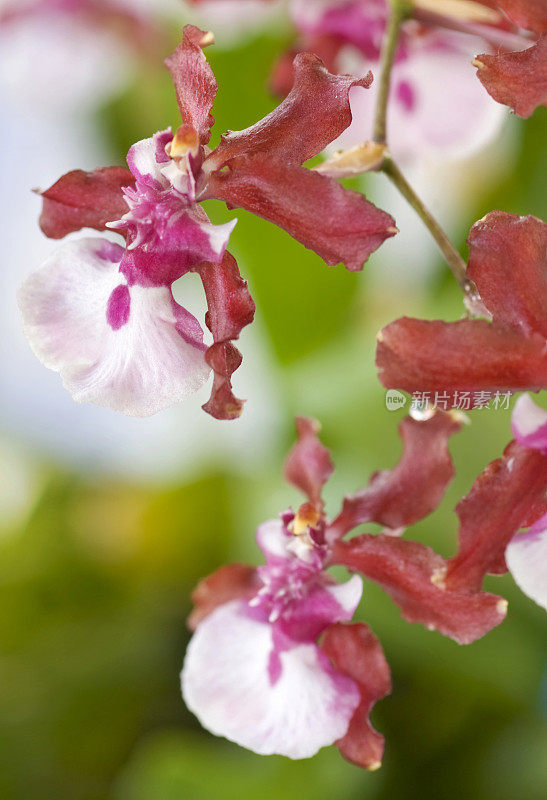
<point>95,582</point>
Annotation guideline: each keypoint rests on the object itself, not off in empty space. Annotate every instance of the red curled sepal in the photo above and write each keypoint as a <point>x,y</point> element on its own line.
<point>355,651</point>
<point>259,169</point>
<point>508,264</point>
<point>338,224</point>
<point>230,582</point>
<point>517,80</point>
<point>314,113</point>
<point>82,199</point>
<point>413,575</point>
<point>449,358</point>
<point>414,488</point>
<point>230,309</point>
<point>195,83</point>
<point>509,495</point>
<point>308,466</point>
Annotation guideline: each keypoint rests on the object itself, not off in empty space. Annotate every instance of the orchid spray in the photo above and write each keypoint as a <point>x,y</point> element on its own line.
<point>278,661</point>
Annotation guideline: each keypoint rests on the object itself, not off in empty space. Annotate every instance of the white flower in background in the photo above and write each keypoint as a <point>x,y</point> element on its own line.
<point>437,108</point>
<point>56,54</point>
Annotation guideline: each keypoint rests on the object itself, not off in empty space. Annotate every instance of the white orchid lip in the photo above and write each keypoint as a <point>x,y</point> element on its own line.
<point>131,348</point>
<point>226,684</point>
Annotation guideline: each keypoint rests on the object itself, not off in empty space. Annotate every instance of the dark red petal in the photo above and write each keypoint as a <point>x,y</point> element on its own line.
<point>400,496</point>
<point>469,355</point>
<point>230,309</point>
<point>362,745</point>
<point>517,80</point>
<point>84,200</point>
<point>355,651</point>
<point>510,494</point>
<point>412,574</point>
<point>508,263</point>
<point>308,465</point>
<point>338,224</point>
<point>528,14</point>
<point>195,83</point>
<point>230,582</point>
<point>315,112</point>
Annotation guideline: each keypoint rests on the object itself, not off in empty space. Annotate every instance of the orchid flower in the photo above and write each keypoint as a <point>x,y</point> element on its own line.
<point>103,315</point>
<point>508,264</point>
<point>273,663</point>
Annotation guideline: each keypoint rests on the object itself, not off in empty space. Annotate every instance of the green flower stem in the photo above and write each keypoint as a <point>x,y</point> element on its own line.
<point>451,255</point>
<point>401,10</point>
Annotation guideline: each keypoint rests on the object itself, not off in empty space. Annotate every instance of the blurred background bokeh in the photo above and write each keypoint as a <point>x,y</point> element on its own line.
<point>106,523</point>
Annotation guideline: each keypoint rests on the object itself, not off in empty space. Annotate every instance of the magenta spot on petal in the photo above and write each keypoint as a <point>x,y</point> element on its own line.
<point>274,667</point>
<point>118,307</point>
<point>406,95</point>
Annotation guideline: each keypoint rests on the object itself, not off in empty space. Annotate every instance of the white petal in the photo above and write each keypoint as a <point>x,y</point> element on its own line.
<point>80,63</point>
<point>526,557</point>
<point>272,539</point>
<point>219,235</point>
<point>347,594</point>
<point>140,368</point>
<point>450,114</point>
<point>529,423</point>
<point>306,14</point>
<point>141,160</point>
<point>225,682</point>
